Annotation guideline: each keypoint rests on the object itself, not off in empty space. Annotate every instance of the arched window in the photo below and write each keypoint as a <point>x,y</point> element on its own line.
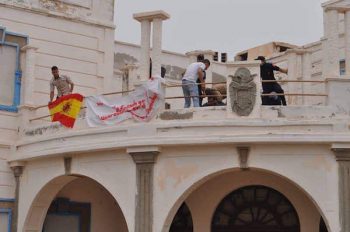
<point>182,221</point>
<point>255,209</point>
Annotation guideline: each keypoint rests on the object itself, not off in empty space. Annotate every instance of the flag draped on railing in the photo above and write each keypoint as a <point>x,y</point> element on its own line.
<point>141,104</point>
<point>66,109</point>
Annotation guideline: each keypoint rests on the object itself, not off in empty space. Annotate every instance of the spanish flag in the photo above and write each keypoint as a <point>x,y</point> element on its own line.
<point>66,109</point>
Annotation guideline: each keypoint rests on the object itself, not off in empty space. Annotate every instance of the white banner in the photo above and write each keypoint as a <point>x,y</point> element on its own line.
<point>142,105</point>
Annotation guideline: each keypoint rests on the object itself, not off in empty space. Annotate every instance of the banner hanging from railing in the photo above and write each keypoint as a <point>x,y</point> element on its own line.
<point>142,105</point>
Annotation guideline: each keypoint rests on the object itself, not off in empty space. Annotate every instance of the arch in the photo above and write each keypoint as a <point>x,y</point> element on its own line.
<point>204,180</point>
<point>35,217</point>
<point>255,208</point>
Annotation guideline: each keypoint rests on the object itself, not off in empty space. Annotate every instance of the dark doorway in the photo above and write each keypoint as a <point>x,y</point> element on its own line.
<point>323,227</point>
<point>182,221</point>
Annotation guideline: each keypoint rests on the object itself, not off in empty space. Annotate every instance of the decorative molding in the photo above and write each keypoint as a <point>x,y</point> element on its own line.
<point>144,157</point>
<point>143,16</point>
<point>17,172</point>
<point>67,165</point>
<point>341,151</point>
<point>243,155</point>
<point>242,91</point>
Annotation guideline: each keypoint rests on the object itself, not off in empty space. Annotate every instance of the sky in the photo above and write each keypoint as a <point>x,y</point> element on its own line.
<point>224,25</point>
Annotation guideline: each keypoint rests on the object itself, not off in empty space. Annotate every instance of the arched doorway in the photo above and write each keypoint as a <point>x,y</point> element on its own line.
<point>255,209</point>
<point>75,204</point>
<point>182,221</point>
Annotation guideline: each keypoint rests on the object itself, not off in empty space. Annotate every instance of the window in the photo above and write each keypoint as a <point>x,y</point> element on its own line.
<point>255,209</point>
<point>5,220</point>
<point>10,74</point>
<point>342,67</point>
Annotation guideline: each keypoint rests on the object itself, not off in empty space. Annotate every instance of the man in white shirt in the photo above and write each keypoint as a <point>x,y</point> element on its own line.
<point>194,72</point>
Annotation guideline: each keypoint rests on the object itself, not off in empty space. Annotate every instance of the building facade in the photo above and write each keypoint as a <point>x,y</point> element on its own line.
<point>200,169</point>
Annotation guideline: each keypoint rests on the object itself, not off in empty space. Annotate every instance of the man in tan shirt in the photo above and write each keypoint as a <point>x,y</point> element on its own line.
<point>63,84</point>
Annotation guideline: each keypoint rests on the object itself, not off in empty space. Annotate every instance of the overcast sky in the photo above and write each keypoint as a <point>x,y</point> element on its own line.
<point>224,25</point>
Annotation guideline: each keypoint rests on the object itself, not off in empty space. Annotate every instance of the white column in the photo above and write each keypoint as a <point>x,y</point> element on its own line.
<point>347,42</point>
<point>306,76</point>
<point>28,75</point>
<point>157,46</point>
<point>145,49</point>
<point>292,75</point>
<point>332,44</point>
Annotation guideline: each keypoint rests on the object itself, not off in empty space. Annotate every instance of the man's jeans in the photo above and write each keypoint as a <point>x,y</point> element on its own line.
<point>190,89</point>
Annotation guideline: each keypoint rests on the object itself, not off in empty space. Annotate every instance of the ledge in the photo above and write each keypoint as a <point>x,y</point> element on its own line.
<point>150,15</point>
<point>243,64</point>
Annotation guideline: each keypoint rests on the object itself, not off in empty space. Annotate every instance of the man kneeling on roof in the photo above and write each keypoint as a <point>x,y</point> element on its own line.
<point>216,95</point>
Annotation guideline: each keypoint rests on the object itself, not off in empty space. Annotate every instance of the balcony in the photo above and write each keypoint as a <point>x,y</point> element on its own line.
<point>326,123</point>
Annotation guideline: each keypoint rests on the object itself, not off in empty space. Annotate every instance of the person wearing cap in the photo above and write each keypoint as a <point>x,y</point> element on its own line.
<point>267,73</point>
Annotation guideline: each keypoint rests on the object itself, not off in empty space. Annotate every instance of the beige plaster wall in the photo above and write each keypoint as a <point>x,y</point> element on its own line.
<point>7,182</point>
<point>105,212</point>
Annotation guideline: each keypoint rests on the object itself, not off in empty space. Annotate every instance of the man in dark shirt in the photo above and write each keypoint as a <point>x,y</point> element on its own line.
<point>200,58</point>
<point>267,73</point>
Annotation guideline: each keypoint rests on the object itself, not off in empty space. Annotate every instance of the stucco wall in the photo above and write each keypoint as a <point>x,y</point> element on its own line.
<point>6,175</point>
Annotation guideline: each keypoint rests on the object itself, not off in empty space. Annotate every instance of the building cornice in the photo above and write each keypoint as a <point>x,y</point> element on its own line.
<point>58,15</point>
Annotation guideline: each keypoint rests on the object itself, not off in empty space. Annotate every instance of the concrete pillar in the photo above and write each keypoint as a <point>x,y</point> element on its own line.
<point>157,46</point>
<point>144,158</point>
<point>292,75</point>
<point>17,168</point>
<point>145,49</point>
<point>108,62</point>
<point>145,18</point>
<point>347,42</point>
<point>306,75</point>
<point>342,154</point>
<point>29,76</point>
<point>331,47</point>
<point>296,72</point>
<point>336,89</point>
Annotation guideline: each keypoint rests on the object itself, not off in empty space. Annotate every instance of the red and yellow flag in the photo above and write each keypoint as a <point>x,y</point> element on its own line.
<point>66,109</point>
